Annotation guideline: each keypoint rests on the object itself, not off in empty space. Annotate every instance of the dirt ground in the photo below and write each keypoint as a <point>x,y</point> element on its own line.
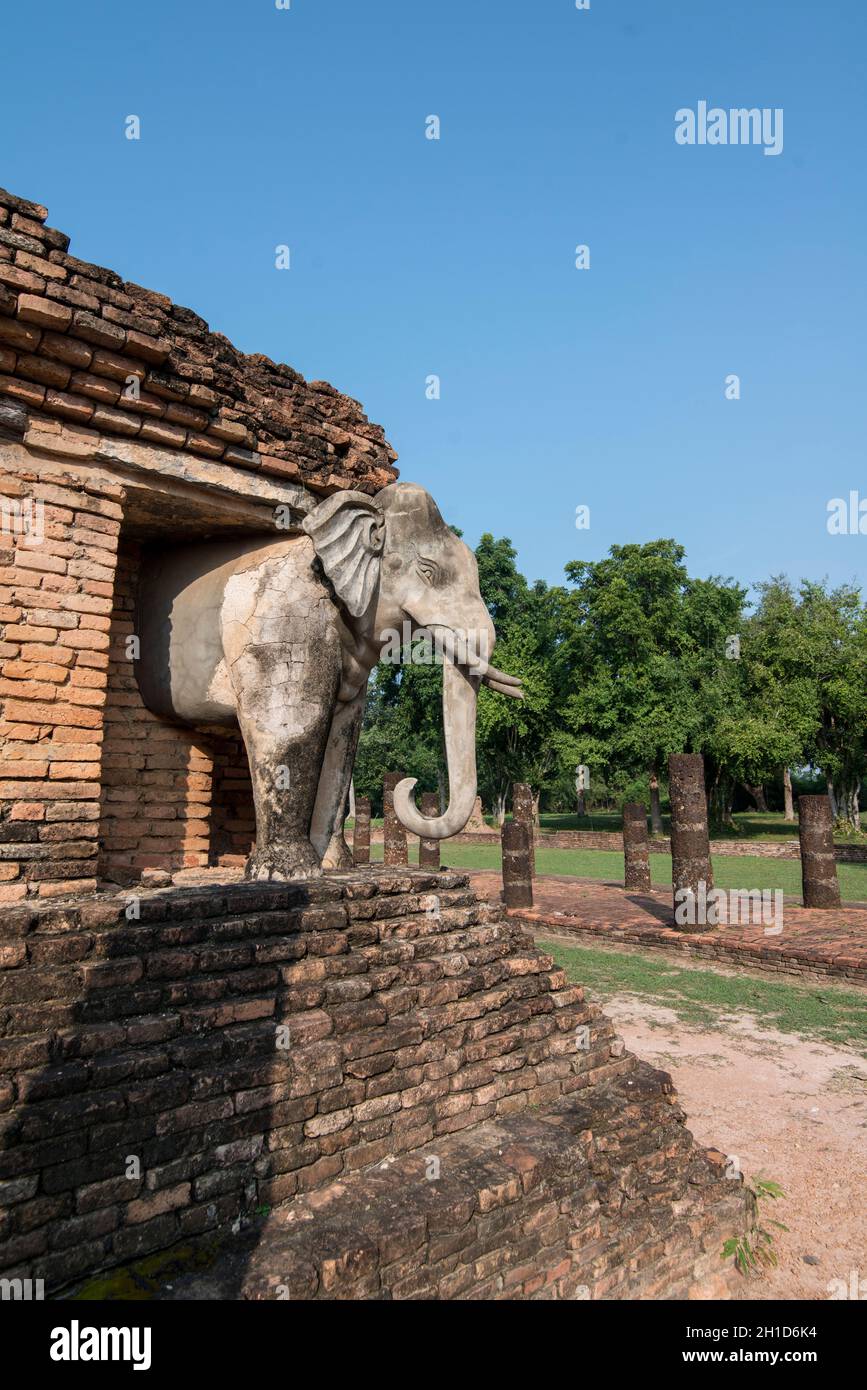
<point>788,1109</point>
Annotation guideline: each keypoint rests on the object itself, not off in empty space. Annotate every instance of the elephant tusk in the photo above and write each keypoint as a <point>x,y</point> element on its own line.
<point>459,728</point>
<point>515,691</point>
<point>503,683</point>
<point>462,653</point>
<point>502,677</point>
<point>460,649</point>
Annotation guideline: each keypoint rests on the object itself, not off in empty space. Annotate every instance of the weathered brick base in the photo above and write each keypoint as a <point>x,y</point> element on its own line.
<point>255,1044</point>
<point>600,1195</point>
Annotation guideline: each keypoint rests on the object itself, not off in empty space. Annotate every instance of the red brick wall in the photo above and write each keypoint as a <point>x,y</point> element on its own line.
<point>91,784</point>
<point>172,797</point>
<point>55,606</point>
<point>233,824</point>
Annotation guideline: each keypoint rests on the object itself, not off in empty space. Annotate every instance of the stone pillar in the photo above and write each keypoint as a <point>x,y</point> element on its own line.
<point>517,873</point>
<point>429,850</point>
<point>393,833</point>
<point>523,812</point>
<point>361,833</point>
<point>818,864</point>
<point>476,824</point>
<point>690,843</point>
<point>636,856</point>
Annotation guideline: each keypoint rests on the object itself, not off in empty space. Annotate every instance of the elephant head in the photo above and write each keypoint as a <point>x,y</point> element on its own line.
<point>392,561</point>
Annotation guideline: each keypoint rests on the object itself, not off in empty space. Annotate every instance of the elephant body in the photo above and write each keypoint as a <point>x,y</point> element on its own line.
<point>278,637</point>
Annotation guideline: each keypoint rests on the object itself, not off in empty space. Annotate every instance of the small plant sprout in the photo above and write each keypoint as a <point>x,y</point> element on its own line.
<point>755,1251</point>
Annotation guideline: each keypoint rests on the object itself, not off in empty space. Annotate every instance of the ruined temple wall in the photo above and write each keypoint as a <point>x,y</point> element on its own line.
<point>123,417</point>
<point>55,615</point>
<point>92,785</point>
<point>172,797</point>
<point>315,1045</point>
<point>73,335</point>
<point>407,1016</point>
<point>156,778</point>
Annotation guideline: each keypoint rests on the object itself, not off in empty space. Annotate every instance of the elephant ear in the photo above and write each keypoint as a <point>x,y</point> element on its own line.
<point>348,533</point>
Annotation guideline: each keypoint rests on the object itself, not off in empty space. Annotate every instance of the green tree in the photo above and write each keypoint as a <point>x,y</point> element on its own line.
<point>646,646</point>
<point>517,738</point>
<point>780,710</point>
<point>402,730</point>
<point>833,652</point>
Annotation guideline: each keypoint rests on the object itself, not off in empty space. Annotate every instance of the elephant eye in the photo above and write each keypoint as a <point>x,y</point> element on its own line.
<point>428,569</point>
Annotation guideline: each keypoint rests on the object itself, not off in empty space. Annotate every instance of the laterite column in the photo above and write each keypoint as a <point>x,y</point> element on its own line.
<point>429,850</point>
<point>636,854</point>
<point>361,833</point>
<point>393,833</point>
<point>818,862</point>
<point>517,875</point>
<point>690,843</point>
<point>522,811</point>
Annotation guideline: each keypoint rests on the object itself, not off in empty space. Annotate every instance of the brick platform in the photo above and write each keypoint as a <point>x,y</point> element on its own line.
<point>813,944</point>
<point>601,1196</point>
<point>254,1044</point>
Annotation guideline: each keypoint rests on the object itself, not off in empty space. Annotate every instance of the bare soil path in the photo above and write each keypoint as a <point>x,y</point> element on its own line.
<point>788,1109</point>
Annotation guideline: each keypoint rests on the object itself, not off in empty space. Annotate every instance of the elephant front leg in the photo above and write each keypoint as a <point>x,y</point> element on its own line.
<point>285,730</point>
<point>329,812</point>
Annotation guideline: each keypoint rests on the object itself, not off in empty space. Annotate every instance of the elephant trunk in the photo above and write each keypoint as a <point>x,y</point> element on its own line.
<point>460,689</point>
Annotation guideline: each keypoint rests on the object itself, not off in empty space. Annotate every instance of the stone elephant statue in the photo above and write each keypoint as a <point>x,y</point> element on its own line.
<point>277,637</point>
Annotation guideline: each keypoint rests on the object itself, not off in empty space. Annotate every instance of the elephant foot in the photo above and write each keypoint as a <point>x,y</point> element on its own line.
<point>338,854</point>
<point>283,862</point>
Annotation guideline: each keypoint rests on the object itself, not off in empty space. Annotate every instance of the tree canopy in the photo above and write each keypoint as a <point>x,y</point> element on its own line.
<point>630,660</point>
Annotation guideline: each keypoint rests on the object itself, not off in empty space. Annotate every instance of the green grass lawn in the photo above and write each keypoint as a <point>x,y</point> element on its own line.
<point>730,871</point>
<point>750,825</point>
<point>701,997</point>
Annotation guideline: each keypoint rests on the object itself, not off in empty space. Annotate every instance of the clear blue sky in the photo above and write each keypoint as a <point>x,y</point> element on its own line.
<point>456,257</point>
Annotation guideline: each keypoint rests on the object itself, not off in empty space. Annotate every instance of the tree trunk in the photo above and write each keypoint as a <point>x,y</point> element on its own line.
<point>655,808</point>
<point>846,797</point>
<point>720,800</point>
<point>500,808</point>
<point>829,782</point>
<point>789,811</point>
<point>758,795</point>
<point>536,820</point>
